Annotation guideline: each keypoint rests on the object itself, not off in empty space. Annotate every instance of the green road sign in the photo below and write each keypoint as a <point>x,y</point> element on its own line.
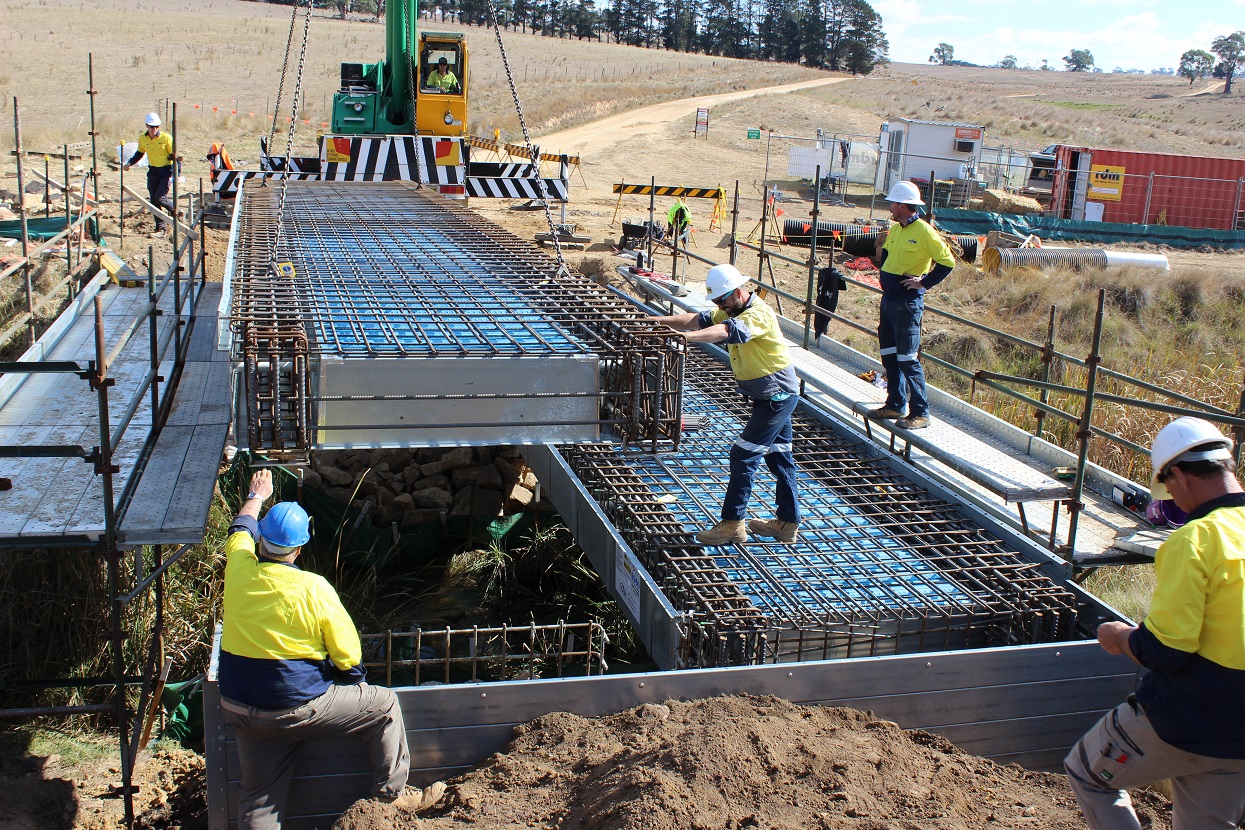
<point>754,134</point>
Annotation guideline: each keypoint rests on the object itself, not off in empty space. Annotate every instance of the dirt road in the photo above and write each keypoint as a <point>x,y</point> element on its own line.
<point>598,136</point>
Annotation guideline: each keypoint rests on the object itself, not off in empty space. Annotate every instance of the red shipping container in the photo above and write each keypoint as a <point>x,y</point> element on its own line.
<point>1148,188</point>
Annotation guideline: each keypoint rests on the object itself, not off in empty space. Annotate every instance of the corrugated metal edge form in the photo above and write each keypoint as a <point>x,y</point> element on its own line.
<point>1024,705</point>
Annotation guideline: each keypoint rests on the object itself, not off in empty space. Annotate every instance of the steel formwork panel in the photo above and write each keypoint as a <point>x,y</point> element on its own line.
<point>385,401</point>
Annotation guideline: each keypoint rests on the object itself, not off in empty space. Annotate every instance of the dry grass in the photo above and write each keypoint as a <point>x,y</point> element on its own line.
<point>225,58</point>
<point>1134,112</point>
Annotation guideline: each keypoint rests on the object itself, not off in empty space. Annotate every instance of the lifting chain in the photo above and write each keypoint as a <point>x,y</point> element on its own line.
<point>533,151</point>
<point>289,138</point>
<point>289,41</point>
<point>409,34</point>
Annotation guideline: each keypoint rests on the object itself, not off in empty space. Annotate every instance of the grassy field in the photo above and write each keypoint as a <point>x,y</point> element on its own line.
<point>1132,112</point>
<point>221,62</point>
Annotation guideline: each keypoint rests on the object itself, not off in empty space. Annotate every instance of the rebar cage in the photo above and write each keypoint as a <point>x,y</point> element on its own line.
<point>407,320</point>
<point>881,566</point>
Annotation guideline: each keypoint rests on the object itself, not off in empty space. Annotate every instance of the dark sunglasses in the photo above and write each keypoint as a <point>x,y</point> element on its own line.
<point>720,302</point>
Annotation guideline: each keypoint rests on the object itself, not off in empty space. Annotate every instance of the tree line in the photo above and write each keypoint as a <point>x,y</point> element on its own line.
<point>841,35</point>
<point>1230,51</point>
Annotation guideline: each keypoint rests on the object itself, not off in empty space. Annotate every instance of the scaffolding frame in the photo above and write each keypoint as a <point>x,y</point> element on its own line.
<point>185,278</point>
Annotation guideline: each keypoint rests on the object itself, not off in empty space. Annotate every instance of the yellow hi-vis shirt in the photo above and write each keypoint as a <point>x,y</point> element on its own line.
<point>286,637</point>
<point>1199,601</point>
<point>157,149</point>
<point>912,250</point>
<point>765,350</point>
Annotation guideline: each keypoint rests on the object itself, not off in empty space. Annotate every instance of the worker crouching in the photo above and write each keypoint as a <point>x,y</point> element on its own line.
<point>762,367</point>
<point>291,668</point>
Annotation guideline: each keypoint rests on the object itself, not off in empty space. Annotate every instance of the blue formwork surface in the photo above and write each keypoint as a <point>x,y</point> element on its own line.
<point>843,559</point>
<point>401,288</point>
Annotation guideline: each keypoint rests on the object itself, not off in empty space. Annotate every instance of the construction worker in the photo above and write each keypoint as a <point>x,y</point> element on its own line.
<point>763,371</point>
<point>911,247</point>
<point>679,222</point>
<point>442,78</point>
<point>1185,721</point>
<point>158,147</point>
<point>291,668</point>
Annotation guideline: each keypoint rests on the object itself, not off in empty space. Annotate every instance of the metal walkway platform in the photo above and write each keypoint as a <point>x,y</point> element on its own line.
<point>50,425</point>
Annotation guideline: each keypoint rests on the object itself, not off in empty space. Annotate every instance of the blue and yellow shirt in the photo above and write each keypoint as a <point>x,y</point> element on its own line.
<point>156,149</point>
<point>757,350</point>
<point>911,250</point>
<point>286,636</point>
<point>1193,639</point>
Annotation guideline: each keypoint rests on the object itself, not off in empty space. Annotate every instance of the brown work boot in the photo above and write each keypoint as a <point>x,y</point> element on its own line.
<point>417,800</point>
<point>913,422</point>
<point>882,413</point>
<point>775,529</point>
<point>723,533</point>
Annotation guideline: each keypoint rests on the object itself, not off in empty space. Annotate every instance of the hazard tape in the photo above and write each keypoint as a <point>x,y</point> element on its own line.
<point>681,192</point>
<point>516,150</point>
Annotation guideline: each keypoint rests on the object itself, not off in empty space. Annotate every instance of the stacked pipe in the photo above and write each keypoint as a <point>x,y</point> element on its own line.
<point>856,240</point>
<point>996,259</point>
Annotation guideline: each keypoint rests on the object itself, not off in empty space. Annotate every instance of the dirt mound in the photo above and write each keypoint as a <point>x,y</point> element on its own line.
<point>739,762</point>
<point>42,792</point>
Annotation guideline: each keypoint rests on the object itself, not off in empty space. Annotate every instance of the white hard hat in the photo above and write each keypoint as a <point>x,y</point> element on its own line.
<point>1174,442</point>
<point>153,120</point>
<point>722,280</point>
<point>905,193</point>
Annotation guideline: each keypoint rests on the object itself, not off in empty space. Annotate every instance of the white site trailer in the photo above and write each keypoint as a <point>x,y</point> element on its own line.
<point>912,148</point>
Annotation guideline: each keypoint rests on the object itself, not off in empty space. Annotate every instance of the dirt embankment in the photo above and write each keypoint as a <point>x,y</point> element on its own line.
<point>741,762</point>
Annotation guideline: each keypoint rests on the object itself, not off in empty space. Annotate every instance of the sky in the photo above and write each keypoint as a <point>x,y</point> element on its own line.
<point>1130,34</point>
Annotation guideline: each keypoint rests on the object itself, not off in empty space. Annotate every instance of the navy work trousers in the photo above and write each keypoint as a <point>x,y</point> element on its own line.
<point>766,435</point>
<point>899,336</point>
<point>158,181</point>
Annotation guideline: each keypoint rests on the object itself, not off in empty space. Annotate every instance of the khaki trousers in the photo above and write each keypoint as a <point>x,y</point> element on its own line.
<point>268,743</point>
<point>1122,751</point>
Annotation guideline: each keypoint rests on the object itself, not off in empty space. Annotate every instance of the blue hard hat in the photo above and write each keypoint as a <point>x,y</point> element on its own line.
<point>286,525</point>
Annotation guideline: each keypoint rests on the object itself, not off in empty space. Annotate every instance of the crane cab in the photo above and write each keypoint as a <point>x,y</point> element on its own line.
<point>441,99</point>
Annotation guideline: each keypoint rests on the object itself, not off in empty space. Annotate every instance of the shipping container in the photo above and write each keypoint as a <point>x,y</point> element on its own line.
<point>1127,186</point>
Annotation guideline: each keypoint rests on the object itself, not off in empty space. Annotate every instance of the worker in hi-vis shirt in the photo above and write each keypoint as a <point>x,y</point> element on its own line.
<point>157,146</point>
<point>1186,721</point>
<point>911,248</point>
<point>291,668</point>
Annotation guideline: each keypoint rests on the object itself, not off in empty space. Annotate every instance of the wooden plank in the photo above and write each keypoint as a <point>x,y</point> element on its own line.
<point>157,211</point>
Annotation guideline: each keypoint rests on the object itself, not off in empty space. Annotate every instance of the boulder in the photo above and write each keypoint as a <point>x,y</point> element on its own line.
<point>476,501</point>
<point>336,477</point>
<point>432,497</point>
<point>312,479</point>
<point>404,502</point>
<point>438,481</point>
<point>457,457</point>
<point>517,498</point>
<point>340,494</point>
<point>484,475</point>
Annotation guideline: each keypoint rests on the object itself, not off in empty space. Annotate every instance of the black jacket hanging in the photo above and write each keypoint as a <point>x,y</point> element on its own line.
<point>830,282</point>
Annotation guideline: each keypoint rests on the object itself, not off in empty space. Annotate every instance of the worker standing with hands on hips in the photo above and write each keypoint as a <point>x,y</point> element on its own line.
<point>763,371</point>
<point>910,249</point>
<point>1186,721</point>
<point>158,147</point>
<point>291,668</point>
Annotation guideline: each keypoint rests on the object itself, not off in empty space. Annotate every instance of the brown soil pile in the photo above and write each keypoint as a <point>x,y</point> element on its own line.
<point>741,762</point>
<point>41,793</point>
